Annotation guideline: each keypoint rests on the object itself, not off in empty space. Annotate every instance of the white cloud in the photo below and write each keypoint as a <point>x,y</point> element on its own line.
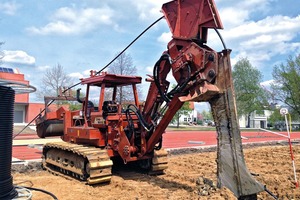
<point>149,70</point>
<point>165,38</point>
<point>231,17</point>
<point>80,75</point>
<point>43,68</point>
<point>66,21</point>
<point>270,25</point>
<point>19,57</point>
<point>87,72</point>
<point>76,75</point>
<point>264,39</point>
<point>149,9</point>
<point>267,84</point>
<point>234,13</point>
<point>9,8</point>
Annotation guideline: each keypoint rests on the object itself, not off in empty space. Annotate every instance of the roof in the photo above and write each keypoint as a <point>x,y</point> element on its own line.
<point>6,70</point>
<point>111,80</point>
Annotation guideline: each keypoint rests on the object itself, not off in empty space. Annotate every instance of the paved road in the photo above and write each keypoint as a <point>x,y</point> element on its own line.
<point>28,146</point>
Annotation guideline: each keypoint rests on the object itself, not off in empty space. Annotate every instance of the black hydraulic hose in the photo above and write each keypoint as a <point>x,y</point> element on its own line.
<point>41,190</point>
<point>139,118</point>
<point>67,89</point>
<point>130,44</point>
<point>178,87</point>
<point>78,96</point>
<point>220,36</point>
<point>159,146</point>
<point>142,33</point>
<point>130,122</point>
<point>139,115</point>
<point>156,70</point>
<point>270,193</point>
<point>33,119</point>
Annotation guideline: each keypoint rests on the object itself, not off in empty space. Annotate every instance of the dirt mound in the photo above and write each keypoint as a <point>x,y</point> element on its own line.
<point>27,167</point>
<point>189,176</point>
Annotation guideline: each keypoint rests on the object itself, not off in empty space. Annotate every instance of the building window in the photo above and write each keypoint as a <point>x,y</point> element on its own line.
<point>18,116</point>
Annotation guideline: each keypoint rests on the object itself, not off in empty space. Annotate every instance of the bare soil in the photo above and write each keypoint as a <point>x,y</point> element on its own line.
<point>191,175</point>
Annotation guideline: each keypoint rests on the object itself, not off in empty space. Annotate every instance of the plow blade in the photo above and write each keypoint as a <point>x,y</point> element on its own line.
<point>231,168</point>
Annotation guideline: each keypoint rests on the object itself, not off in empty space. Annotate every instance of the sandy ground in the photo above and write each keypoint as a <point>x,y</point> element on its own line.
<point>189,176</point>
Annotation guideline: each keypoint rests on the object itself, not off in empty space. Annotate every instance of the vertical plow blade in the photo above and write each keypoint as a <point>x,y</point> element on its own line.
<point>231,167</point>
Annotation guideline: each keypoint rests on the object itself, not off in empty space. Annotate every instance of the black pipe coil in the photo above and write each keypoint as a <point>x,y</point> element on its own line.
<point>7,99</point>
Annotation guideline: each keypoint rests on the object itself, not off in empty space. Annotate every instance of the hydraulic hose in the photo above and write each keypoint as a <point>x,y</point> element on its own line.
<point>67,89</point>
<point>270,193</point>
<point>139,115</point>
<point>221,38</point>
<point>178,88</point>
<point>44,191</point>
<point>156,70</point>
<point>130,124</point>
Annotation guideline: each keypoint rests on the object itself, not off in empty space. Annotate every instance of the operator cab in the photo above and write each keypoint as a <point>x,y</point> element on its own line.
<point>104,90</point>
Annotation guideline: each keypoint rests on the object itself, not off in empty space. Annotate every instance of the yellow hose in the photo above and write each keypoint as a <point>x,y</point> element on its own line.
<point>290,122</point>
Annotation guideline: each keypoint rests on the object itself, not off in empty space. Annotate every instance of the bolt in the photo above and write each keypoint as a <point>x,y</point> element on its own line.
<point>211,57</point>
<point>211,73</point>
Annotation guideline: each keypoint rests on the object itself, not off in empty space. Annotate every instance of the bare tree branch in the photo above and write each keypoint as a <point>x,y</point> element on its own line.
<point>53,79</point>
<point>124,66</point>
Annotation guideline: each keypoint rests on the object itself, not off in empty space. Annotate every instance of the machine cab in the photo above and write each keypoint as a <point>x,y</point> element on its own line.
<point>103,96</point>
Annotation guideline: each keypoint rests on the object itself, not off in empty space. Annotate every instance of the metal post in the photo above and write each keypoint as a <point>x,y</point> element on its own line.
<point>291,150</point>
<point>284,111</point>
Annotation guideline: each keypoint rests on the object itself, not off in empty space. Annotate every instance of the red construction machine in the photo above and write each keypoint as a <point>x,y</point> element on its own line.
<point>97,134</point>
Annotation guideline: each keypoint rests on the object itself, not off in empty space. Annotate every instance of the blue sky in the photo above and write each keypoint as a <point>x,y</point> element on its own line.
<point>85,35</point>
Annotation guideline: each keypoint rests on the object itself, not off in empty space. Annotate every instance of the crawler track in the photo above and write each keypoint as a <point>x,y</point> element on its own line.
<point>85,163</point>
<point>159,162</point>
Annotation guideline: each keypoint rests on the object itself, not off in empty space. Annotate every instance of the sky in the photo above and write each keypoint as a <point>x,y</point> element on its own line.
<point>85,35</point>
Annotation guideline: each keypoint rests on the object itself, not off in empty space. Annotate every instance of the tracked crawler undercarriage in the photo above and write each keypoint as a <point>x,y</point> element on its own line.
<point>89,164</point>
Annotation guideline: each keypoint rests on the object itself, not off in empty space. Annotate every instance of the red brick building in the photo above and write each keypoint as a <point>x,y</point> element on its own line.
<point>24,111</point>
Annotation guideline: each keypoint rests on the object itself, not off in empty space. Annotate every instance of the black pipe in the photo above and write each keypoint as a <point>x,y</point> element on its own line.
<point>44,191</point>
<point>78,96</point>
<point>156,77</point>
<point>7,99</point>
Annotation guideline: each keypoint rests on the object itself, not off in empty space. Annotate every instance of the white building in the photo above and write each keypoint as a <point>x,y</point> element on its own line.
<point>191,117</point>
<point>256,120</point>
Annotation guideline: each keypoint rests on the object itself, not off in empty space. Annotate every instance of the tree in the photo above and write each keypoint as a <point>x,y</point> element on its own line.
<point>275,117</point>
<point>206,115</point>
<point>124,66</point>
<point>287,83</point>
<point>249,95</point>
<point>52,80</point>
<point>184,110</point>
